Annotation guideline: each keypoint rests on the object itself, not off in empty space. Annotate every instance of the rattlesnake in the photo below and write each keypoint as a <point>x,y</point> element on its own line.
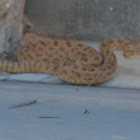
<point>71,61</point>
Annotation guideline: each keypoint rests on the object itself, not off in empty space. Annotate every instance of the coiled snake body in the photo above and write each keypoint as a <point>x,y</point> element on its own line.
<point>70,60</point>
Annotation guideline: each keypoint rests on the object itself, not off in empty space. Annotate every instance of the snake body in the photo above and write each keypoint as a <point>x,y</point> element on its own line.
<point>71,61</point>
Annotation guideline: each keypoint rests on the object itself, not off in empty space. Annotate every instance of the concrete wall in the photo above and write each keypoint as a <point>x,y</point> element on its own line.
<point>86,19</point>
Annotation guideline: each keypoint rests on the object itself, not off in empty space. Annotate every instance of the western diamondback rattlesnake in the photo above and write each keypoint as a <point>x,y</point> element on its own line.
<point>70,60</point>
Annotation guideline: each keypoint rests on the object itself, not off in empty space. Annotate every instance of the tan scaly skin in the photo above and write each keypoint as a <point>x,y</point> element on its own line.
<point>71,61</point>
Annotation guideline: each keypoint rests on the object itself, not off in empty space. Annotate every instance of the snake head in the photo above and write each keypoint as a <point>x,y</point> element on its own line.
<point>131,52</point>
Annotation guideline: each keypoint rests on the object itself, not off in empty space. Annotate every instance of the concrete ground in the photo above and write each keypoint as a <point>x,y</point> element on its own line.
<point>68,112</point>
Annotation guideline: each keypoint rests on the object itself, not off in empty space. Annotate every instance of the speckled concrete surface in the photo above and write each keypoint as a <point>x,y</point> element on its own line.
<point>76,112</point>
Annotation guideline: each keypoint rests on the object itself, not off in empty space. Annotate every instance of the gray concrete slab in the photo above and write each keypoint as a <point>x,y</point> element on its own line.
<point>86,19</point>
<point>112,114</point>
